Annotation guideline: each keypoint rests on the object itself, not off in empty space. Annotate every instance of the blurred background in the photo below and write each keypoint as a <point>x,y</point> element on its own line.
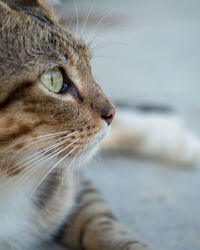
<point>146,52</point>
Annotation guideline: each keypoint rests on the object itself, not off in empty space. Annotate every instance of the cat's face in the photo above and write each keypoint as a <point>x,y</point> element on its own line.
<point>49,101</point>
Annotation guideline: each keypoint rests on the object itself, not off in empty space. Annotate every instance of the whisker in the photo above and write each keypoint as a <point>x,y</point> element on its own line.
<point>57,164</point>
<point>74,161</point>
<point>51,147</point>
<point>69,23</point>
<point>38,154</point>
<point>77,17</point>
<point>31,139</point>
<point>87,17</point>
<point>83,152</point>
<point>29,168</point>
<point>43,152</point>
<point>63,149</point>
<point>28,145</point>
<point>73,166</point>
<point>106,33</point>
<point>104,17</point>
<point>32,170</point>
<point>105,44</point>
<point>70,168</point>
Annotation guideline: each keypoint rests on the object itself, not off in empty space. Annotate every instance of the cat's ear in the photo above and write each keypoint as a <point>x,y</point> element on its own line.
<point>45,4</point>
<point>4,9</point>
<point>32,3</point>
<point>6,6</point>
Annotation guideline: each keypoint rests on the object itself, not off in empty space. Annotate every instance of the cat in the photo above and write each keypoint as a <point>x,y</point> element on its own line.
<point>53,116</point>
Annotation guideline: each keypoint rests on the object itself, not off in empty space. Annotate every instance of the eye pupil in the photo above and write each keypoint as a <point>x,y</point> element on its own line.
<point>51,79</point>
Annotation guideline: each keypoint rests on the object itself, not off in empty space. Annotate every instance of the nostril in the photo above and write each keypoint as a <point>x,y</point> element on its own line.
<point>109,116</point>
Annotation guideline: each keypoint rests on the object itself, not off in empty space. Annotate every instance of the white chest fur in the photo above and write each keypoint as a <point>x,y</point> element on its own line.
<point>22,224</point>
<point>16,213</point>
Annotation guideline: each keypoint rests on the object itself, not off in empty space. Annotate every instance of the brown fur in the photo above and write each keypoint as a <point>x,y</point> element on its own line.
<point>31,43</point>
<point>33,111</point>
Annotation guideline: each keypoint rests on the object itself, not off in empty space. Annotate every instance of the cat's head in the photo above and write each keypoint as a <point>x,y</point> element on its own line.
<point>49,101</point>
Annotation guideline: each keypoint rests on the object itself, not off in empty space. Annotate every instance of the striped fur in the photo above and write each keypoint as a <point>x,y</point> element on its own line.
<point>44,137</point>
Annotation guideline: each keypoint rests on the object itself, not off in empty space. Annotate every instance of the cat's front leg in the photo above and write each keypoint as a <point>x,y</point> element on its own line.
<point>93,227</point>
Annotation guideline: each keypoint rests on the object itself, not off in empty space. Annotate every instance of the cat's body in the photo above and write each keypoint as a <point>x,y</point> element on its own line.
<point>52,117</point>
<point>48,130</point>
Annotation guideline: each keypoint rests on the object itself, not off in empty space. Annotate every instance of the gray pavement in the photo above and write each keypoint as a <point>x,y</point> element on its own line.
<point>154,58</point>
<point>157,203</point>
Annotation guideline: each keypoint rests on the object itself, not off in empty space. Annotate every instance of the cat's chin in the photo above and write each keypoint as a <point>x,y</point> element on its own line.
<point>91,149</point>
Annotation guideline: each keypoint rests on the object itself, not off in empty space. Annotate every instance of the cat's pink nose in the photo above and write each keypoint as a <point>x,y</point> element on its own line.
<point>109,116</point>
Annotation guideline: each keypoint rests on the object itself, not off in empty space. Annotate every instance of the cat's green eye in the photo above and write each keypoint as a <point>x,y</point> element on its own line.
<point>53,80</point>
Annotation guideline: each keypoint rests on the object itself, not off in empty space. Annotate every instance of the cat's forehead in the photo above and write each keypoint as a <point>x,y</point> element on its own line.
<point>43,22</point>
<point>39,31</point>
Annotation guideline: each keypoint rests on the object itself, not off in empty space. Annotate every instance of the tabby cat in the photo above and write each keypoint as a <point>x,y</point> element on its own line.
<point>52,117</point>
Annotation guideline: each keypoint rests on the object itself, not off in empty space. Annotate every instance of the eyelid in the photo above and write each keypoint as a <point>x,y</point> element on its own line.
<point>71,86</point>
<point>66,78</point>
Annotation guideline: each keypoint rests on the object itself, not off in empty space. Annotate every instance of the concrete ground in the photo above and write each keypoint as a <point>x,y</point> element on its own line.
<point>153,57</point>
